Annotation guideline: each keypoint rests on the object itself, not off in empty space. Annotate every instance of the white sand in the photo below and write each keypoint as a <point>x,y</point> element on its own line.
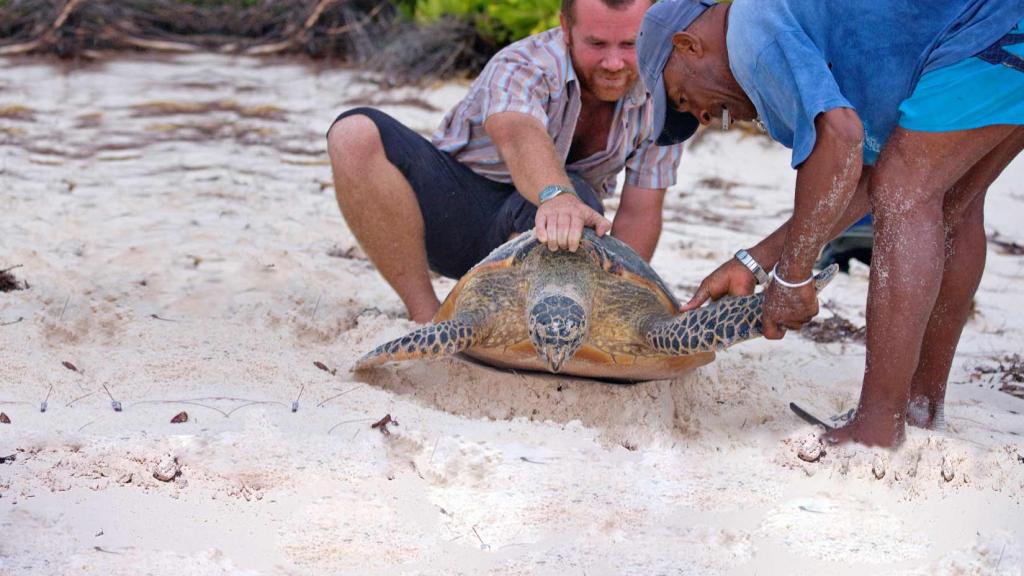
<point>197,261</point>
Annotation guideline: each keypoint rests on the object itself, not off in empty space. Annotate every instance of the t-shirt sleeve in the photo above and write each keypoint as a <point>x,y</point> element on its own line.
<point>509,83</point>
<point>794,85</point>
<point>653,166</point>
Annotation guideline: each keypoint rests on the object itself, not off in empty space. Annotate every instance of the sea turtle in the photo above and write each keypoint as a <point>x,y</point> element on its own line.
<point>600,312</point>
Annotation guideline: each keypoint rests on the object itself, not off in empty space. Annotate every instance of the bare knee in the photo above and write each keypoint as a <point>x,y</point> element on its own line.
<point>899,195</point>
<point>353,144</point>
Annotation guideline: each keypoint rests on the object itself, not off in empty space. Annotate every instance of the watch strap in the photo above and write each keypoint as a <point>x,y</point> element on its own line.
<point>553,190</point>
<point>747,260</point>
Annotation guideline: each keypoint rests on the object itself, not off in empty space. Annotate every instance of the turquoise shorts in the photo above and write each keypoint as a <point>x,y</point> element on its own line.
<point>983,90</point>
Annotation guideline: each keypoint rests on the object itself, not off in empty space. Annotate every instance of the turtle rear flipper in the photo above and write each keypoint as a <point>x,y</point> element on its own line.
<point>721,324</point>
<point>435,340</point>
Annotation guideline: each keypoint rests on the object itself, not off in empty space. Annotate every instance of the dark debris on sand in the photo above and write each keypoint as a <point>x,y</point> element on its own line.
<point>1007,370</point>
<point>1006,247</point>
<point>834,329</point>
<point>9,283</point>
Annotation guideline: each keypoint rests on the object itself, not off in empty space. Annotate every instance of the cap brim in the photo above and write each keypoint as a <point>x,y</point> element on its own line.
<point>674,126</point>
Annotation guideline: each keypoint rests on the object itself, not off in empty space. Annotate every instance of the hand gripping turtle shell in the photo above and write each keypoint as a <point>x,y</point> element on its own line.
<point>600,312</point>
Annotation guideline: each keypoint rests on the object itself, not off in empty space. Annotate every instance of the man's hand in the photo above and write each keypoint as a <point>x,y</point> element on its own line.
<point>731,278</point>
<point>560,221</point>
<point>787,309</point>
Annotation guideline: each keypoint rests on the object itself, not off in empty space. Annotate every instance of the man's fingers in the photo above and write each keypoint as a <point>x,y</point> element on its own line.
<point>702,296</point>
<point>601,224</point>
<point>564,223</point>
<point>575,232</point>
<point>540,228</point>
<point>552,228</point>
<point>772,330</point>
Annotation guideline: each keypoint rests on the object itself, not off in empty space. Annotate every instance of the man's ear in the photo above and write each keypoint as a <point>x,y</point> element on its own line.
<point>566,28</point>
<point>688,44</point>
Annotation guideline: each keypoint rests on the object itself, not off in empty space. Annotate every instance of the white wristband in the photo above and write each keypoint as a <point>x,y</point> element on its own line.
<point>784,284</point>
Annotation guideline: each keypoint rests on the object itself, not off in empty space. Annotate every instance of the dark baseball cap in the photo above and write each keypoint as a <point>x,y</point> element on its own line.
<point>653,47</point>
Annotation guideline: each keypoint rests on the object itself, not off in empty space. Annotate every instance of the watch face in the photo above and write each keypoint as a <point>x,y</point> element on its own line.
<point>550,192</point>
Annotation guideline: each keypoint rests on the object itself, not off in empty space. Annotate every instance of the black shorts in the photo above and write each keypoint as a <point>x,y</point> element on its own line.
<point>465,215</point>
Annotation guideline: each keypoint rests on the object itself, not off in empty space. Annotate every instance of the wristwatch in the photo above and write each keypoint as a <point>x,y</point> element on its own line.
<point>747,260</point>
<point>550,192</point>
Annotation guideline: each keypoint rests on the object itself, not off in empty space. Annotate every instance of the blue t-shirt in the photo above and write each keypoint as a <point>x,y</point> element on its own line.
<point>798,58</point>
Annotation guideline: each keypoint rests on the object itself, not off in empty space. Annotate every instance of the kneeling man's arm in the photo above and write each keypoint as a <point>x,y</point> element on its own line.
<point>528,151</point>
<point>638,219</point>
<point>533,162</point>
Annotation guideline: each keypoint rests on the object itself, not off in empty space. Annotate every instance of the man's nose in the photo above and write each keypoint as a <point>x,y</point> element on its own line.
<point>618,58</point>
<point>613,62</point>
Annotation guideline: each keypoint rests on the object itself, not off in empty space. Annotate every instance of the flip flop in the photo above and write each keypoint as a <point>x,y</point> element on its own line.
<point>809,418</point>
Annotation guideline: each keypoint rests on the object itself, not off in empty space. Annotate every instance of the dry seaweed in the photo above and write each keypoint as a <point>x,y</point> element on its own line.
<point>9,283</point>
<point>834,329</point>
<point>1007,370</point>
<point>371,33</point>
<point>71,28</point>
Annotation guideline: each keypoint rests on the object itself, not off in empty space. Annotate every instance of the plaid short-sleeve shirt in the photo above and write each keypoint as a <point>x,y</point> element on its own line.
<point>535,76</point>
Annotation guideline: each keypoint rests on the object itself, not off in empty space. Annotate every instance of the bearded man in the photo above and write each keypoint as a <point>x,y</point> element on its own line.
<point>538,142</point>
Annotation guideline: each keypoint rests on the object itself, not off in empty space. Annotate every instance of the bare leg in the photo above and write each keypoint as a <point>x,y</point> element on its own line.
<point>382,211</point>
<point>907,192</point>
<point>965,261</point>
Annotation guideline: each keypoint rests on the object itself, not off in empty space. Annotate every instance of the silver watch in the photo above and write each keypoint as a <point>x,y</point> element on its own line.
<point>550,192</point>
<point>747,260</point>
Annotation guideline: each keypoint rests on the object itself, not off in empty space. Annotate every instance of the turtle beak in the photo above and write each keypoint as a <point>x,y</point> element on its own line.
<point>555,356</point>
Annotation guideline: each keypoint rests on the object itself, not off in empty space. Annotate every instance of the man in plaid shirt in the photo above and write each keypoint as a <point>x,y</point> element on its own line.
<point>537,143</point>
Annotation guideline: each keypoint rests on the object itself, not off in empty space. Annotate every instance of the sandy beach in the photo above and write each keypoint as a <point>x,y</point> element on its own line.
<point>173,222</point>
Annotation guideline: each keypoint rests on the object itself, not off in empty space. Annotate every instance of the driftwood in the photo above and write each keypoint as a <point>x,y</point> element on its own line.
<point>370,33</point>
<point>70,28</point>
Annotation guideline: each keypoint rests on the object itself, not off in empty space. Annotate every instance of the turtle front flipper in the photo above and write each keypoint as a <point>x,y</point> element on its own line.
<point>435,340</point>
<point>717,326</point>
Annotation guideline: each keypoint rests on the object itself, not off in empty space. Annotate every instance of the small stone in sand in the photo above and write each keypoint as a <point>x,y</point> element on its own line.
<point>811,450</point>
<point>4,419</point>
<point>878,467</point>
<point>167,470</point>
<point>947,469</point>
<point>180,417</point>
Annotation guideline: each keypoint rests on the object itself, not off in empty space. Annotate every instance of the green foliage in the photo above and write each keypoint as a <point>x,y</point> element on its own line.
<point>497,21</point>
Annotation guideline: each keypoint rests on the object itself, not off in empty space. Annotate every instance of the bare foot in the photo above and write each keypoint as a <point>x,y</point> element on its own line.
<point>885,432</point>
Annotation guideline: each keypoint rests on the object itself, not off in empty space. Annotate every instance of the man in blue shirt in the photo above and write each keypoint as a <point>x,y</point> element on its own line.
<point>909,108</point>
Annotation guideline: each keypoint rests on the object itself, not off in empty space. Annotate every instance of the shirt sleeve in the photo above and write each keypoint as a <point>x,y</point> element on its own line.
<point>511,83</point>
<point>653,166</point>
<point>794,84</point>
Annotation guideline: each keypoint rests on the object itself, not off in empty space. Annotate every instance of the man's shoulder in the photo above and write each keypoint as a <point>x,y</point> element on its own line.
<point>545,51</point>
<point>751,29</point>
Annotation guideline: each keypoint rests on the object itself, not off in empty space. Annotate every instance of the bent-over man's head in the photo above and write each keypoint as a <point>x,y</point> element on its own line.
<point>684,64</point>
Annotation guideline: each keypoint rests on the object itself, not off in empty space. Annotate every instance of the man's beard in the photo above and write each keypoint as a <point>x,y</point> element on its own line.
<point>608,87</point>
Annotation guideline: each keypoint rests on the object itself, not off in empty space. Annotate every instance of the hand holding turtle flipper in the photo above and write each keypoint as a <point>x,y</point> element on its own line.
<point>789,305</point>
<point>730,279</point>
<point>787,308</point>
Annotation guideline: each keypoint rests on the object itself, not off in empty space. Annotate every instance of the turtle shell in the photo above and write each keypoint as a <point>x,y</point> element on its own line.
<point>611,254</point>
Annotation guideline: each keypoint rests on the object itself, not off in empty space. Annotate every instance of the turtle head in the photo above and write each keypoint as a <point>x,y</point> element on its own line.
<point>557,326</point>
